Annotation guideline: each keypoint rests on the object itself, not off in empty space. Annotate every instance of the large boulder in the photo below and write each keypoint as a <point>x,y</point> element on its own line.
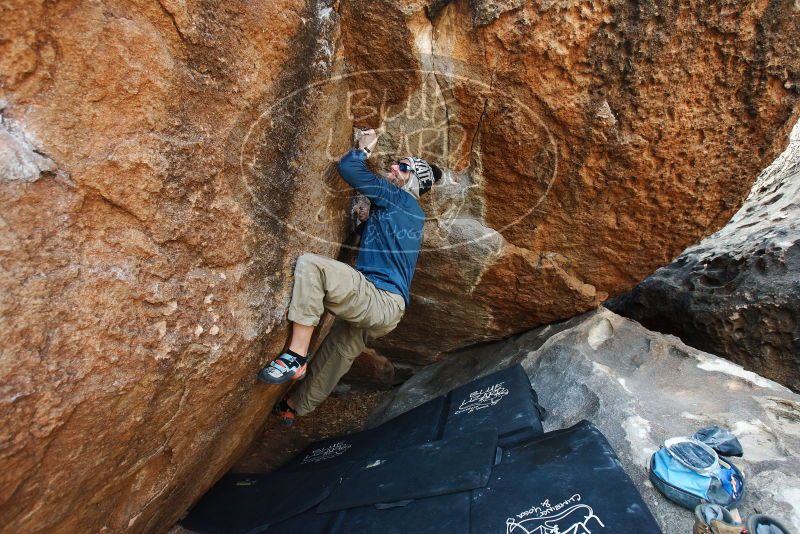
<point>640,388</point>
<point>737,292</point>
<point>147,199</point>
<point>585,145</point>
<point>163,164</point>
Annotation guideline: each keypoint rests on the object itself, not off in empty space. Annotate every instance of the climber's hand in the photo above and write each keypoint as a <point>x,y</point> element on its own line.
<point>368,140</point>
<point>362,211</point>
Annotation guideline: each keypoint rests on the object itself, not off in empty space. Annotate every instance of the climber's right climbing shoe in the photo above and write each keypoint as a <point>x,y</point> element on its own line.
<point>284,368</point>
<point>285,413</point>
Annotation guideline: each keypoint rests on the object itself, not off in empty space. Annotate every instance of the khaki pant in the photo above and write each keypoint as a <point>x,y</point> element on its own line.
<point>364,312</point>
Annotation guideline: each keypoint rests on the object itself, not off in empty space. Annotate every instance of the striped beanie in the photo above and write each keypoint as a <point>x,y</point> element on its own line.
<point>425,174</point>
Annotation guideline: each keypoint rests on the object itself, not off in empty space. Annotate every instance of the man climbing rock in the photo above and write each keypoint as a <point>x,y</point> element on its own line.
<point>370,300</point>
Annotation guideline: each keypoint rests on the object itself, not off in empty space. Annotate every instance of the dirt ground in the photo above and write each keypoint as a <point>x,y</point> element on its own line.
<point>342,413</point>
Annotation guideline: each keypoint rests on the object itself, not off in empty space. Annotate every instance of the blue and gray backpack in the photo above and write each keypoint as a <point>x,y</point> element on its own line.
<point>690,472</point>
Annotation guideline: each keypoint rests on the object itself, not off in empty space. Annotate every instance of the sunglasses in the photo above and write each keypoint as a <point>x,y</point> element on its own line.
<point>404,167</point>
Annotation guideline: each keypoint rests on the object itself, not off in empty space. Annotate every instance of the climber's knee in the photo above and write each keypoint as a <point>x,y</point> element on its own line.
<point>302,261</point>
<point>305,263</point>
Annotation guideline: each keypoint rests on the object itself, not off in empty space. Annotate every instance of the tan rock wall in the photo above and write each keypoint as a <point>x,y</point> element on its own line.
<point>589,144</point>
<point>736,292</point>
<point>146,271</point>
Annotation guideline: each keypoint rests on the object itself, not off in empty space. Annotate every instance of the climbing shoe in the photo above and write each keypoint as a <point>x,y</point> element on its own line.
<point>714,519</point>
<point>284,368</point>
<point>764,524</point>
<point>285,413</point>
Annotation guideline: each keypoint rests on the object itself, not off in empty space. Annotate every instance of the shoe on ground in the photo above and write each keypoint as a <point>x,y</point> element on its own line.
<point>285,413</point>
<point>714,519</point>
<point>283,369</point>
<point>764,524</point>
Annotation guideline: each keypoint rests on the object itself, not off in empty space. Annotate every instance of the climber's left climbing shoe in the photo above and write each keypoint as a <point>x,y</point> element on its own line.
<point>284,368</point>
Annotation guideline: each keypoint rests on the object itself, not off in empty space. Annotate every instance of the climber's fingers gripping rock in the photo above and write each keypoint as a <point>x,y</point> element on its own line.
<point>368,140</point>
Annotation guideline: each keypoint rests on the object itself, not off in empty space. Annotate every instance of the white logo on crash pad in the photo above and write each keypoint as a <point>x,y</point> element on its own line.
<point>482,398</point>
<point>559,518</point>
<point>326,453</point>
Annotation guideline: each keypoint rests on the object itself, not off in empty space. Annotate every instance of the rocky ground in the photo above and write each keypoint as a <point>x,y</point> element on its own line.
<point>737,292</point>
<point>344,412</point>
<point>640,388</point>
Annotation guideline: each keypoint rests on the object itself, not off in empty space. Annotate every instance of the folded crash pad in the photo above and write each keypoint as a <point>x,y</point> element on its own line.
<point>437,468</point>
<point>414,427</point>
<point>420,454</point>
<point>503,400</point>
<point>330,452</point>
<point>564,481</point>
<point>249,503</point>
<point>433,515</point>
<point>308,522</point>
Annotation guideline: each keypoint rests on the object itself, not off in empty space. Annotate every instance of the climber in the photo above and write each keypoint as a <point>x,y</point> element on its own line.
<point>370,300</point>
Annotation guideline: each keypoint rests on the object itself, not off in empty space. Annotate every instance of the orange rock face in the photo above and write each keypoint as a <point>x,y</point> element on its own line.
<point>587,144</point>
<point>148,193</point>
<point>372,370</point>
<point>163,164</point>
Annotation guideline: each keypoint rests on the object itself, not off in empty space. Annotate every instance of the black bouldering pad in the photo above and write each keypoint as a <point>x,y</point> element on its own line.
<point>437,468</point>
<point>443,514</point>
<point>417,426</point>
<point>414,427</point>
<point>421,455</point>
<point>308,522</point>
<point>330,452</point>
<point>249,503</point>
<point>564,481</point>
<point>503,400</point>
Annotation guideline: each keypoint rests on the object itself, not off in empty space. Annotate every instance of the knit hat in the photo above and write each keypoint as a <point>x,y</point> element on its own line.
<point>423,176</point>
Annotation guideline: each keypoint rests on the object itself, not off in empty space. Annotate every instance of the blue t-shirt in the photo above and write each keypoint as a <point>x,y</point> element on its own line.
<point>393,232</point>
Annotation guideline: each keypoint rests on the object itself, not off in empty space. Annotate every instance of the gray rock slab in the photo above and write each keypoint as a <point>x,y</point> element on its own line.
<point>737,292</point>
<point>640,388</point>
